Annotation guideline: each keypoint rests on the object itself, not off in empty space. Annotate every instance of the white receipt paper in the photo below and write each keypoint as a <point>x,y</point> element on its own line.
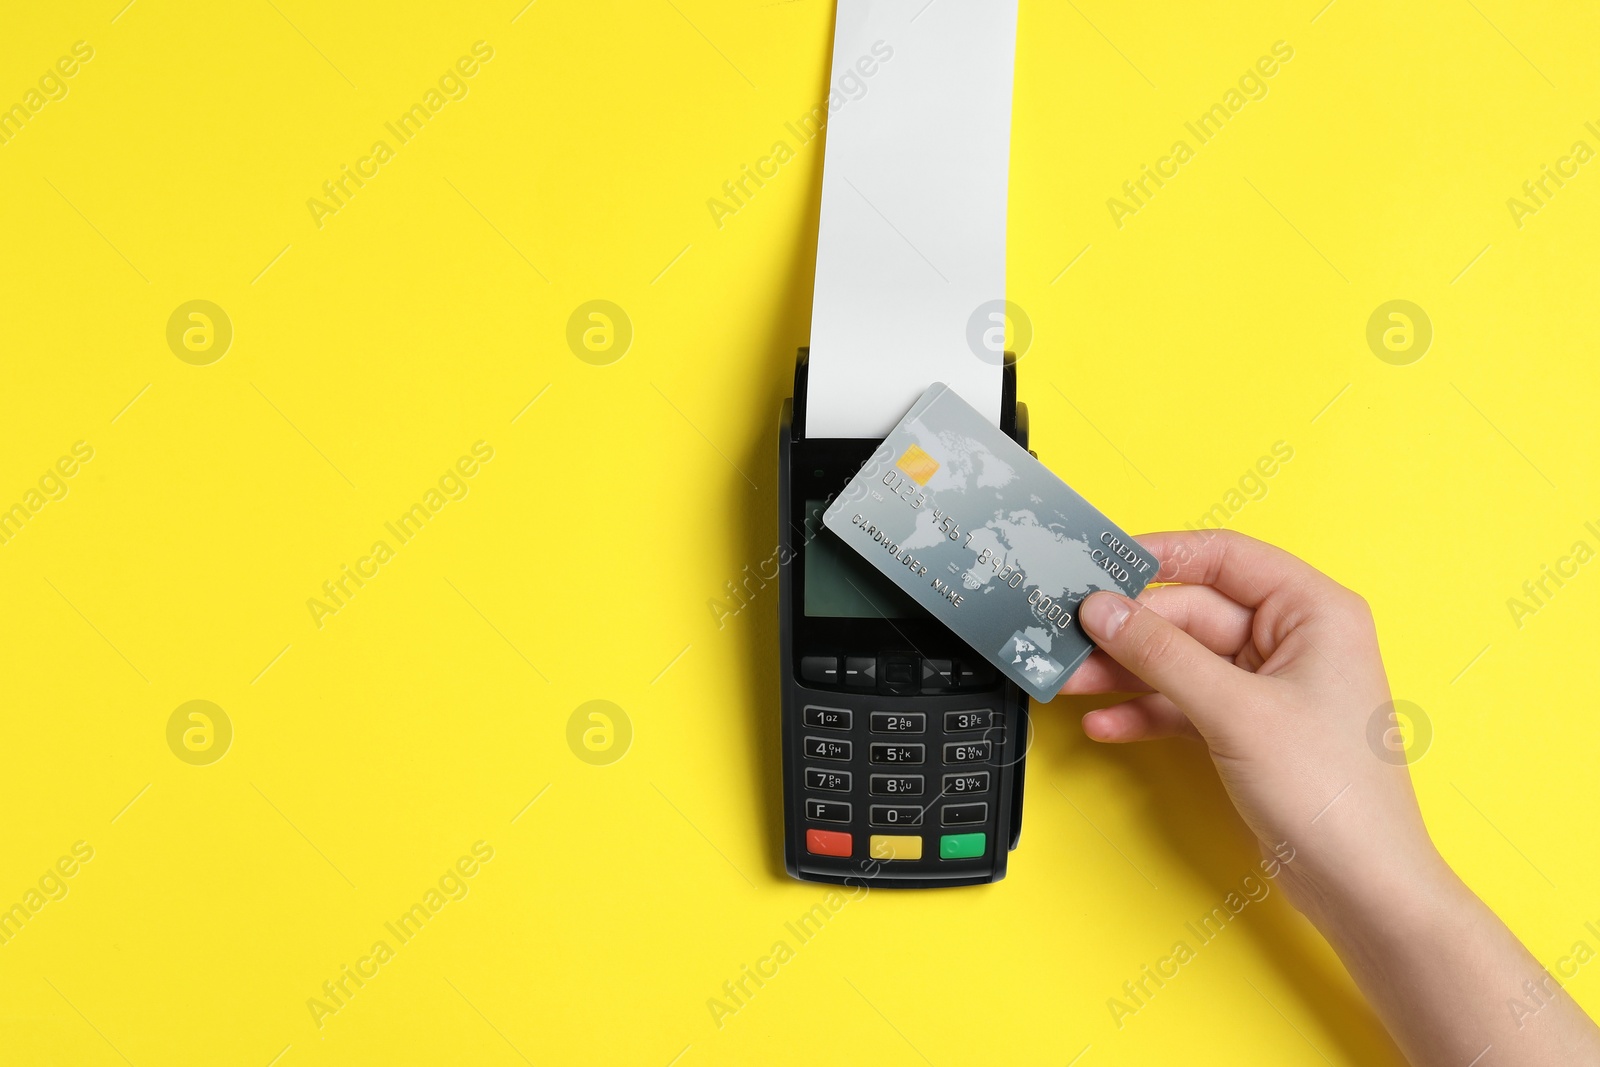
<point>912,238</point>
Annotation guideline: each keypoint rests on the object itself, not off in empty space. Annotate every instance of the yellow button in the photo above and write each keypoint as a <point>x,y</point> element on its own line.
<point>887,847</point>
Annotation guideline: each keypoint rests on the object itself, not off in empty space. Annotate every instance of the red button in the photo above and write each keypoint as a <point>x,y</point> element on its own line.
<point>828,843</point>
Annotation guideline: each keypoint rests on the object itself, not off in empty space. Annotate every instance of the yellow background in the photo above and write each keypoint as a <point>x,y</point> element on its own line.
<point>370,353</point>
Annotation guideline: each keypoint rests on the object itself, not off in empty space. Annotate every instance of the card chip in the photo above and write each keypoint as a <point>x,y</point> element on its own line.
<point>917,464</point>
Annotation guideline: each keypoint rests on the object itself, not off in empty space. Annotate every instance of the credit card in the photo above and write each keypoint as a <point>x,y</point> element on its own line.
<point>982,535</point>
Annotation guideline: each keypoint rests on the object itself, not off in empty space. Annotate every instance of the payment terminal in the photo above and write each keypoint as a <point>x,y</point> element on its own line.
<point>902,747</point>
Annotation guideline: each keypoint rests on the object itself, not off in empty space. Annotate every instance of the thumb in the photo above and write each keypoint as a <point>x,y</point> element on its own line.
<point>1199,681</point>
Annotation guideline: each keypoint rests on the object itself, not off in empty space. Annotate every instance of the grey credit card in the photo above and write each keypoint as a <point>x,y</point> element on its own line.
<point>978,532</point>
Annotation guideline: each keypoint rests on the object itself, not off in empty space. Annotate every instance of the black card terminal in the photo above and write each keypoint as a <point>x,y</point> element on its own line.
<point>902,747</point>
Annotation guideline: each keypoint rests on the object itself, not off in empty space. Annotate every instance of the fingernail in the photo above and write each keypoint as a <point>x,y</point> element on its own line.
<point>1104,613</point>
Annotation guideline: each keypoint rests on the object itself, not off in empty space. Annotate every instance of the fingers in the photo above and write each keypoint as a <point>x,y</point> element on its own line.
<point>1247,570</point>
<point>1174,663</point>
<point>1215,620</point>
<point>1143,719</point>
<point>1208,615</point>
<point>1102,674</point>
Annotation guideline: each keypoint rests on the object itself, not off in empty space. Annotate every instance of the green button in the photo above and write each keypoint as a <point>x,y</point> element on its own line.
<point>962,846</point>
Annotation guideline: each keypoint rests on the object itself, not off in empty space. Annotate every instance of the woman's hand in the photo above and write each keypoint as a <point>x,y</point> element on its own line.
<point>1276,668</point>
